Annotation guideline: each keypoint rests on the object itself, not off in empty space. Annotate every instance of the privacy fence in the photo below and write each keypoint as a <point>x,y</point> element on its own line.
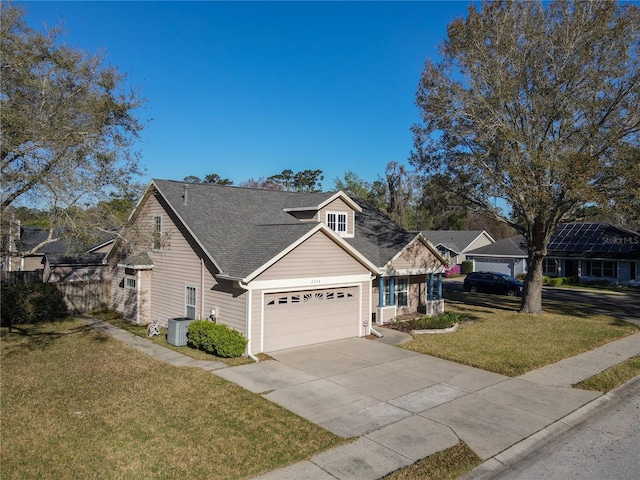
<point>80,297</point>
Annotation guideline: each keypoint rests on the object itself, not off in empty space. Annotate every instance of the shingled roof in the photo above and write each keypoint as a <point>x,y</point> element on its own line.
<point>454,240</point>
<point>376,236</point>
<point>240,228</point>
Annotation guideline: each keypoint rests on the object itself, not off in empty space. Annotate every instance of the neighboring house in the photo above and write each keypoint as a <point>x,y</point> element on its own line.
<point>56,259</point>
<point>589,251</point>
<point>285,269</point>
<point>453,245</point>
<point>507,256</point>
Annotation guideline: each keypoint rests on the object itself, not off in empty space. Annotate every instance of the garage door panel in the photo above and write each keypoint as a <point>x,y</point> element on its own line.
<point>294,319</point>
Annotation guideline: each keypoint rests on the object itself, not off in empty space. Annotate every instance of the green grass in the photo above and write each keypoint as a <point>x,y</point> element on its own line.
<point>499,339</point>
<point>448,464</point>
<point>612,377</point>
<point>116,319</point>
<point>77,403</point>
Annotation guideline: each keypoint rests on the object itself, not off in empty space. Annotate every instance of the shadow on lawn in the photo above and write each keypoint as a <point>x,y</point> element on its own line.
<point>511,304</point>
<point>41,336</point>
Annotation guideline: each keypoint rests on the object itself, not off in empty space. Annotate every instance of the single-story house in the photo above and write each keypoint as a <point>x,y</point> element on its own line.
<point>454,244</point>
<point>593,251</point>
<point>285,269</point>
<point>59,261</point>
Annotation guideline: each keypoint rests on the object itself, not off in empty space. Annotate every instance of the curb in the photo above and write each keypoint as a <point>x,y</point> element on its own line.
<point>519,451</point>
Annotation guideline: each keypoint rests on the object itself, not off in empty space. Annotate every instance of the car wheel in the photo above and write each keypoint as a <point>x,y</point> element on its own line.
<point>511,293</point>
<point>473,289</point>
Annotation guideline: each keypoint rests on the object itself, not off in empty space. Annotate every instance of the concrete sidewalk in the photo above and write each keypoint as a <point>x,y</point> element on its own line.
<point>404,406</point>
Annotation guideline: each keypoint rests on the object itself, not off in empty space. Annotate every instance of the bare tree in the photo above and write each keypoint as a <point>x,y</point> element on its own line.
<point>536,107</point>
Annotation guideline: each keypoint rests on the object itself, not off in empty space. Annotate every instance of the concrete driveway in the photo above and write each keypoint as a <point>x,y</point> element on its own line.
<point>412,404</point>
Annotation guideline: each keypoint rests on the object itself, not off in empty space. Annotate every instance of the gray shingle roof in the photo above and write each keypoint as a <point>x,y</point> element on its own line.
<point>509,247</point>
<point>241,228</point>
<point>454,240</point>
<point>376,236</point>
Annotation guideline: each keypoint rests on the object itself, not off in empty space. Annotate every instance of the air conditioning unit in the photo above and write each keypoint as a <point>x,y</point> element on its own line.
<point>177,331</point>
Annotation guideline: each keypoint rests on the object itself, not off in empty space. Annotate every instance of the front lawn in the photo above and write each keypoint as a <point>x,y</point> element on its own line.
<point>77,403</point>
<point>499,339</point>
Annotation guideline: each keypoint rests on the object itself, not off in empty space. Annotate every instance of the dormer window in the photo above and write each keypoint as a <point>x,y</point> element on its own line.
<point>337,222</point>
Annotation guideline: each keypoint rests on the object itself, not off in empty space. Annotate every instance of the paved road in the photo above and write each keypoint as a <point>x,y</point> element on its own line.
<point>605,446</point>
<point>617,304</point>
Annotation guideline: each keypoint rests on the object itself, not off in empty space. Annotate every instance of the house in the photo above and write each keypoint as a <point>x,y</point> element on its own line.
<point>59,261</point>
<point>454,244</point>
<point>589,251</point>
<point>285,269</point>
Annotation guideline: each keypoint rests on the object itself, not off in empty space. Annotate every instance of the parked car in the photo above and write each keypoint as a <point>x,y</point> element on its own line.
<point>492,282</point>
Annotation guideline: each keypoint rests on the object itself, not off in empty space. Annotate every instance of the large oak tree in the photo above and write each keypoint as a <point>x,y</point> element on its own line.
<point>535,107</point>
<point>67,124</point>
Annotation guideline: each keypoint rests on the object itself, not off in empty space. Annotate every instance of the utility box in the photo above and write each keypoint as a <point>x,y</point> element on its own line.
<point>177,331</point>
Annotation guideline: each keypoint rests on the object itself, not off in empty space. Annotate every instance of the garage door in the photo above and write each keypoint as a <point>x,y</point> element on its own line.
<point>294,319</point>
<point>498,265</point>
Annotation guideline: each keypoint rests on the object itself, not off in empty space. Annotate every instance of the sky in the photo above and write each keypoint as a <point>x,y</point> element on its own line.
<point>249,89</point>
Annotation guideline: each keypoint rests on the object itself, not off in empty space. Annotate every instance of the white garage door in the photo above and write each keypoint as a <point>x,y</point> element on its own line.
<point>498,265</point>
<point>294,319</point>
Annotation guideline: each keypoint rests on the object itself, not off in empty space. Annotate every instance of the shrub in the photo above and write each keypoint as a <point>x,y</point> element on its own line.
<point>28,303</point>
<point>452,271</point>
<point>216,339</point>
<point>442,321</point>
<point>466,267</point>
<point>556,282</point>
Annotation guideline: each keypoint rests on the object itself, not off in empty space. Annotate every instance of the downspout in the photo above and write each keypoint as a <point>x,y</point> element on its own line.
<point>201,283</point>
<point>249,305</point>
<point>375,332</point>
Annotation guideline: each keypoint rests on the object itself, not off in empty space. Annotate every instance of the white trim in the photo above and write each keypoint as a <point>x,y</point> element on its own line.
<point>138,293</point>
<point>347,221</point>
<point>338,194</point>
<point>267,291</point>
<point>411,272</point>
<point>309,283</point>
<point>195,306</point>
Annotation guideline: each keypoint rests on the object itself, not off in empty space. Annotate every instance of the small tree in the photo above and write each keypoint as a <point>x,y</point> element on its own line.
<point>538,106</point>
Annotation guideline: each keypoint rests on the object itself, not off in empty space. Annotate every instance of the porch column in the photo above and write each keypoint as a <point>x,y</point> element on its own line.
<point>381,291</point>
<point>392,290</point>
<point>430,289</point>
<point>439,286</point>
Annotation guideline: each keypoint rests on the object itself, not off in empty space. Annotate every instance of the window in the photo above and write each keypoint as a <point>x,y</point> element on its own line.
<point>337,222</point>
<point>550,266</point>
<point>157,232</point>
<point>190,302</point>
<point>597,268</point>
<point>130,282</point>
<point>401,293</point>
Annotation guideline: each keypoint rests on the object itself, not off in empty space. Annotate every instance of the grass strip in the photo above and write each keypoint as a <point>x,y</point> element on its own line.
<point>445,465</point>
<point>612,377</point>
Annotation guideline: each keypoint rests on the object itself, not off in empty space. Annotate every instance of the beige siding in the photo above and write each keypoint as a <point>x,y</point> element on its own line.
<point>229,302</point>
<point>144,279</point>
<point>416,256</point>
<point>318,256</point>
<point>481,241</point>
<point>339,206</point>
<point>177,266</point>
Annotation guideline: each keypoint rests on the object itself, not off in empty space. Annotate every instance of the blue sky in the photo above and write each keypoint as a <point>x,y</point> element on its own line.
<point>248,89</point>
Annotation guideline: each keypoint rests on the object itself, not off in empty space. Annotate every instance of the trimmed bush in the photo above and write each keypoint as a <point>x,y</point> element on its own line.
<point>466,267</point>
<point>216,339</point>
<point>28,303</point>
<point>442,321</point>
